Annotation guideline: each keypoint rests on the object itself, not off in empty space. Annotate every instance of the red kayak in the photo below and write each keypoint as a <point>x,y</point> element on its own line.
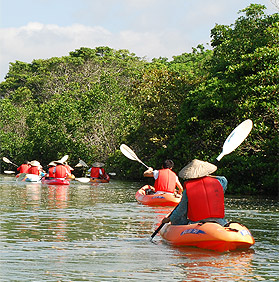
<point>55,181</point>
<point>160,199</point>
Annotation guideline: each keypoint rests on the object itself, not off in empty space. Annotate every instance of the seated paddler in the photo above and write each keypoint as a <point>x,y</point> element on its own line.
<point>203,196</point>
<point>166,180</point>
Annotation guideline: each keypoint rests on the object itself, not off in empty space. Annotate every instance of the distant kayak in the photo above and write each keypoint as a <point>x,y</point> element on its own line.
<point>55,181</point>
<point>209,235</point>
<point>162,199</point>
<point>27,177</point>
<point>99,180</point>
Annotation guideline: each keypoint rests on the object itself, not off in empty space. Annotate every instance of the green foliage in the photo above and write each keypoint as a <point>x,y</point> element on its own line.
<point>88,103</point>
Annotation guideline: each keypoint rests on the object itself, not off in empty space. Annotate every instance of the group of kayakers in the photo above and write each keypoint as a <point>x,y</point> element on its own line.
<point>202,193</point>
<point>60,169</point>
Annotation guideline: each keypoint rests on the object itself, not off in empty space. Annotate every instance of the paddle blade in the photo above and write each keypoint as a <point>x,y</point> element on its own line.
<point>6,160</point>
<point>9,171</point>
<point>83,179</point>
<point>128,152</point>
<point>236,137</point>
<point>83,163</point>
<point>64,159</point>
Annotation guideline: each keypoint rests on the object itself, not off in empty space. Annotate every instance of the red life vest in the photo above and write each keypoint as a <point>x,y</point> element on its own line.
<point>23,168</point>
<point>34,170</point>
<point>205,198</point>
<point>95,172</point>
<point>50,171</point>
<point>68,169</point>
<point>166,181</point>
<point>60,172</point>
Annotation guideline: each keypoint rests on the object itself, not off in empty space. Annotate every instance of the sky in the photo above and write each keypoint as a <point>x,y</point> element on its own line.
<point>41,29</point>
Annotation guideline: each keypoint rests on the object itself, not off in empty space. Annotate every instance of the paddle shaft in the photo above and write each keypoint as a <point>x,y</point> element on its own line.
<point>162,224</point>
<point>6,160</point>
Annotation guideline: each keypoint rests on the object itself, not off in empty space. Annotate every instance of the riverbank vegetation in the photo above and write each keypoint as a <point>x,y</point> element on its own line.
<point>87,103</point>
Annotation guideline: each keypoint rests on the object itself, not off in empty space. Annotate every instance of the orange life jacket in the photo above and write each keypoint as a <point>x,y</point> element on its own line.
<point>23,168</point>
<point>60,172</point>
<point>166,181</point>
<point>205,198</point>
<point>34,170</point>
<point>50,171</point>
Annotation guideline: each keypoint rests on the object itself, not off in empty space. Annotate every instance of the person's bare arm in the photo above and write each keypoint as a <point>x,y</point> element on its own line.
<point>148,173</point>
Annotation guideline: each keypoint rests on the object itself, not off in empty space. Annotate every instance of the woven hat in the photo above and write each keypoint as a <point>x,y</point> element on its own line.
<point>197,169</point>
<point>97,164</point>
<point>52,163</point>
<point>35,163</point>
<point>59,162</point>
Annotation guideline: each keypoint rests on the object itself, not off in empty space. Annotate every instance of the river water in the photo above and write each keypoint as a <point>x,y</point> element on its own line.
<point>98,232</point>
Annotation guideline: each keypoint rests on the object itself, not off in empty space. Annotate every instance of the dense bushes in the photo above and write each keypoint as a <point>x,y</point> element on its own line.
<point>88,103</point>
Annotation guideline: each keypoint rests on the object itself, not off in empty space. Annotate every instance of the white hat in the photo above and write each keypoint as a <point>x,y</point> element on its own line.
<point>59,162</point>
<point>197,169</point>
<point>52,163</point>
<point>35,163</point>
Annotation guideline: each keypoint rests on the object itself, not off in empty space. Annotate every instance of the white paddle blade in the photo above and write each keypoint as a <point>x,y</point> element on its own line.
<point>237,136</point>
<point>129,153</point>
<point>64,159</point>
<point>6,160</point>
<point>83,163</point>
<point>83,179</point>
<point>9,171</point>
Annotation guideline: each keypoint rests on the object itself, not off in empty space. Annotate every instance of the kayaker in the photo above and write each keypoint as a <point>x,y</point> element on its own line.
<point>51,167</point>
<point>165,179</point>
<point>70,169</point>
<point>35,168</point>
<point>203,196</point>
<point>97,171</point>
<point>60,170</point>
<point>23,168</point>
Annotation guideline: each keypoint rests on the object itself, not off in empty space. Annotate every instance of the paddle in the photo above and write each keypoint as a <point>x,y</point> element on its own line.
<point>6,160</point>
<point>83,179</point>
<point>9,171</point>
<point>236,137</point>
<point>83,163</point>
<point>64,159</point>
<point>130,154</point>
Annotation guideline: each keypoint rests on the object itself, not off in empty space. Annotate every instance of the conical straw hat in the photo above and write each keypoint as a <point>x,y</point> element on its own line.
<point>35,163</point>
<point>98,164</point>
<point>52,163</point>
<point>197,169</point>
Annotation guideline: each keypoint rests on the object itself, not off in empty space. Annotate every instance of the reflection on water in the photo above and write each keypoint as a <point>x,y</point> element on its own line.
<point>85,232</point>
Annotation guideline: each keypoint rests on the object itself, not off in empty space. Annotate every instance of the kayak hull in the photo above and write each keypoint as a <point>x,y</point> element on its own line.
<point>164,199</point>
<point>209,235</point>
<point>55,181</point>
<point>99,180</point>
<point>26,177</point>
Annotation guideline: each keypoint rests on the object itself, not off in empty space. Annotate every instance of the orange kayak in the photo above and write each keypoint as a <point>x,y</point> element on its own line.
<point>209,235</point>
<point>100,180</point>
<point>164,199</point>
